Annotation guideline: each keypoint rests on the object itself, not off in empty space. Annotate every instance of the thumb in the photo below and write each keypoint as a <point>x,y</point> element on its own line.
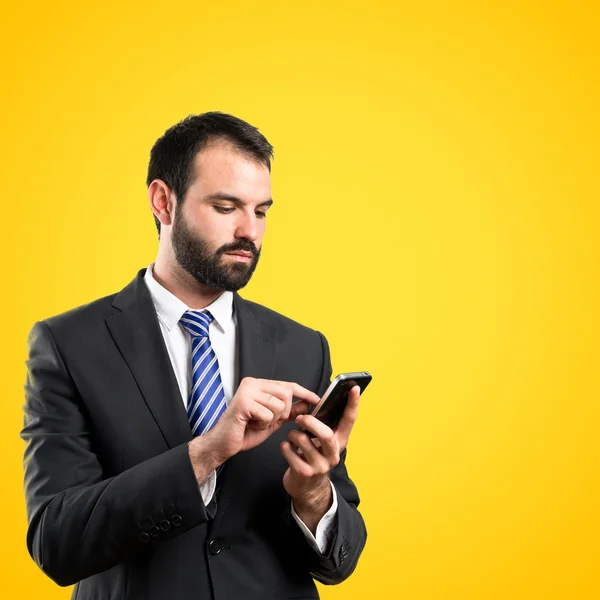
<point>298,408</point>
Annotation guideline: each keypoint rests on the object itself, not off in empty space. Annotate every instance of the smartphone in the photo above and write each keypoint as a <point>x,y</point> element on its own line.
<point>331,407</point>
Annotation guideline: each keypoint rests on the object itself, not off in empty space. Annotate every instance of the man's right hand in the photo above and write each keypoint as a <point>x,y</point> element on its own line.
<point>258,409</point>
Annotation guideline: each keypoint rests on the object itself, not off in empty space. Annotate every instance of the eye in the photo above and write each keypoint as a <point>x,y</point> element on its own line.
<point>261,214</point>
<point>223,209</point>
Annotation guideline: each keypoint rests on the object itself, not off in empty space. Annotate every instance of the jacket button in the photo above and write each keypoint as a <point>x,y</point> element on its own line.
<point>343,554</point>
<point>176,520</point>
<point>214,547</point>
<point>165,525</point>
<point>154,531</point>
<point>144,537</point>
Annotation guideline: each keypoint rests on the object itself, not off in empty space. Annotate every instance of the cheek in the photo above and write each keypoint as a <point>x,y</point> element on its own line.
<point>261,227</point>
<point>211,226</point>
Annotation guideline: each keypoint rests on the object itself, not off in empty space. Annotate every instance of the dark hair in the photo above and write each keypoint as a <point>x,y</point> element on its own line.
<point>172,156</point>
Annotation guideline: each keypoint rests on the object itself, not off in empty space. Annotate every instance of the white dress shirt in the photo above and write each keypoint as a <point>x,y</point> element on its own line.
<point>223,338</point>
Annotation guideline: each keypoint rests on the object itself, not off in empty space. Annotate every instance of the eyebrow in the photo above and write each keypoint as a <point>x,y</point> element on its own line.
<point>235,199</point>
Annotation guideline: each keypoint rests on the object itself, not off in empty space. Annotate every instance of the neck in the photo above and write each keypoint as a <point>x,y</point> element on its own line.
<point>182,285</point>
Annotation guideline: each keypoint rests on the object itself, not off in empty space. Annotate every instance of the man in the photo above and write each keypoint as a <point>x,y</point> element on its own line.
<point>164,457</point>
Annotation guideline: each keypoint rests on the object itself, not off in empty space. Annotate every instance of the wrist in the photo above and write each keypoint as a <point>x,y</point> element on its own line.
<point>317,497</point>
<point>204,456</point>
<point>312,506</point>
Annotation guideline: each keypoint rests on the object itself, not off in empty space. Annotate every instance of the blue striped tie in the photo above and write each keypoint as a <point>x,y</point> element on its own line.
<point>206,402</point>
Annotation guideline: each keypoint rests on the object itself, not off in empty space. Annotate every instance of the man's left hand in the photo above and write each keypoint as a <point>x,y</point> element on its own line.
<point>307,478</point>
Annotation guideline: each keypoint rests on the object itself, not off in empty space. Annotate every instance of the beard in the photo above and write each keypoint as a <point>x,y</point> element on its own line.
<point>195,255</point>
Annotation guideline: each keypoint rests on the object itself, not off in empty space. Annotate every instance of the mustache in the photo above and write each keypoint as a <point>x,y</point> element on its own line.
<point>240,246</point>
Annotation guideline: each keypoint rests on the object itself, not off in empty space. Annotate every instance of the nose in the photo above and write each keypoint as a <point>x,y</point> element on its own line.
<point>247,227</point>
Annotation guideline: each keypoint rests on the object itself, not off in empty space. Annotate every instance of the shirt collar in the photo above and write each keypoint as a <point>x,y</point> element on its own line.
<point>170,308</point>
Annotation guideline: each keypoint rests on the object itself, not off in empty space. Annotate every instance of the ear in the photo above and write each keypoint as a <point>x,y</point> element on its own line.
<point>162,201</point>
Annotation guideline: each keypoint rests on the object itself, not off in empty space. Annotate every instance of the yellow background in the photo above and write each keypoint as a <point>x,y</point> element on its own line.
<point>436,188</point>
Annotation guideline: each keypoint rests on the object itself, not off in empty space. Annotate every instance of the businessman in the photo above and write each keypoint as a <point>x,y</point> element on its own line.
<point>164,456</point>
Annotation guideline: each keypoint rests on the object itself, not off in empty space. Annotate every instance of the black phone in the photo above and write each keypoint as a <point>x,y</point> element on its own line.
<point>331,407</point>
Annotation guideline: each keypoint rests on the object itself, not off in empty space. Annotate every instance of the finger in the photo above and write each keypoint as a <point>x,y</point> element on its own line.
<point>296,390</point>
<point>301,407</point>
<point>325,436</point>
<point>260,416</point>
<point>304,394</point>
<point>295,461</point>
<point>310,453</point>
<point>276,405</point>
<point>279,389</point>
<point>349,417</point>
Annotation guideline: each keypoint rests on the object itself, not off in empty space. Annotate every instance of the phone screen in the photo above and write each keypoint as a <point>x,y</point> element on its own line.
<point>331,409</point>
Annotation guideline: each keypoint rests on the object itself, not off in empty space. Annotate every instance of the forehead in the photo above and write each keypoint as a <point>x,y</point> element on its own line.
<point>221,168</point>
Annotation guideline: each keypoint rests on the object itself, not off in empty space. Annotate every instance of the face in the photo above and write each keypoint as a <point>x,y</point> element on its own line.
<point>217,230</point>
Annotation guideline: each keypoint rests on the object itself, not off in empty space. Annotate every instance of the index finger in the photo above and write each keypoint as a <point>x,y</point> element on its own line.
<point>299,392</point>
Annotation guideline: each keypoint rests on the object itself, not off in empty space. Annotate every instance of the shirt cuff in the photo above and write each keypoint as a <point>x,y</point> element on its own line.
<point>325,528</point>
<point>207,487</point>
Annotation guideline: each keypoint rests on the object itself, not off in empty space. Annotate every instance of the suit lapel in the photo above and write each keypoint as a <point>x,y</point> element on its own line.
<point>137,334</point>
<point>256,346</point>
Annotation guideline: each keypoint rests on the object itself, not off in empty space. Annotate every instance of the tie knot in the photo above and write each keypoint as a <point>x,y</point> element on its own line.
<point>196,322</point>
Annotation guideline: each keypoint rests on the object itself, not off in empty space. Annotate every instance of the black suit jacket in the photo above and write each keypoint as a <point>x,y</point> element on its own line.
<point>113,504</point>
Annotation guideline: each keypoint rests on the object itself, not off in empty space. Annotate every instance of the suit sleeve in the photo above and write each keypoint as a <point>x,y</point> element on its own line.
<point>79,522</point>
<point>350,533</point>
